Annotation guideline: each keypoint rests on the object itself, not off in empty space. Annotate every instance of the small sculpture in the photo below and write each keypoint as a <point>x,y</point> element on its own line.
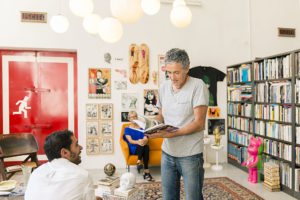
<point>127,181</point>
<point>109,169</point>
<point>107,57</point>
<point>255,150</point>
<point>218,136</point>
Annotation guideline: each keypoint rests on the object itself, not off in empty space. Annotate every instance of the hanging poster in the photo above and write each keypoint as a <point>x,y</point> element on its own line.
<point>99,83</point>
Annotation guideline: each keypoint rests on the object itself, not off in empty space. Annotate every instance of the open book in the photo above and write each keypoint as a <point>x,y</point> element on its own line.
<point>150,126</point>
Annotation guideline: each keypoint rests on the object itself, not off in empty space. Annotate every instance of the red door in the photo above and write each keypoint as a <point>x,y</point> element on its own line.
<point>42,93</point>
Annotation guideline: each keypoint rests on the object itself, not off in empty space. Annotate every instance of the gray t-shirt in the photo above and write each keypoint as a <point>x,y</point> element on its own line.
<point>178,110</point>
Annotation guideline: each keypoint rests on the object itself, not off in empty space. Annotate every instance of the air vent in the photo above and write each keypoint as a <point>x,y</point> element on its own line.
<point>286,32</point>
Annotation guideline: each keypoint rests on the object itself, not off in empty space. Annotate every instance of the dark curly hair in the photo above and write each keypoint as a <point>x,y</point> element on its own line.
<point>55,142</point>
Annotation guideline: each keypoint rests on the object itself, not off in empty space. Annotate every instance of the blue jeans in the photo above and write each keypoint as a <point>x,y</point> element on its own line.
<point>190,168</point>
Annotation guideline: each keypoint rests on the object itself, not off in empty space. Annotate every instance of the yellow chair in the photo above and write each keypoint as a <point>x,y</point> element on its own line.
<point>154,150</point>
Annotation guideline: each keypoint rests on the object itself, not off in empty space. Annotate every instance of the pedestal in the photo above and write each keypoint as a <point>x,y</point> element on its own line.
<point>217,167</point>
<point>206,142</point>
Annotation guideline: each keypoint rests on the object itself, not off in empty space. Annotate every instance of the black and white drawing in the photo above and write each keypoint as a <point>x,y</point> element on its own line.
<point>106,145</point>
<point>120,85</point>
<point>106,111</point>
<point>92,146</point>
<point>92,128</point>
<point>106,127</point>
<point>92,111</point>
<point>129,101</point>
<point>124,117</point>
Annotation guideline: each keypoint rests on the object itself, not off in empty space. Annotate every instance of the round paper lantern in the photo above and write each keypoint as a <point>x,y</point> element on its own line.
<point>59,23</point>
<point>127,11</point>
<point>81,8</point>
<point>150,7</point>
<point>91,23</point>
<point>179,3</point>
<point>110,30</point>
<point>181,16</point>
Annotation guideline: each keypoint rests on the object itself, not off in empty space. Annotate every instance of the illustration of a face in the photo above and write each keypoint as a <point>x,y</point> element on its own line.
<point>99,74</point>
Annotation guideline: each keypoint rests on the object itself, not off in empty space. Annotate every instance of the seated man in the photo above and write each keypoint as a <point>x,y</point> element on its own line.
<point>61,178</point>
<point>137,143</point>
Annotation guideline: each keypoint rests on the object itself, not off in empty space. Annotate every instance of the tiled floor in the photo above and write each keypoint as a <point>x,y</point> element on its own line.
<point>229,171</point>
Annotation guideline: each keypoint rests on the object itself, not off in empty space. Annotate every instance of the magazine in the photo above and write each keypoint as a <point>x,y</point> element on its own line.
<point>150,126</point>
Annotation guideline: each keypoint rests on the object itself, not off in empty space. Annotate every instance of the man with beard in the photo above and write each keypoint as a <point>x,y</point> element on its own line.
<point>61,178</point>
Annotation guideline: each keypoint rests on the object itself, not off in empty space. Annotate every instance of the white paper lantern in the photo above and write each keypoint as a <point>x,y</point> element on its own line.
<point>151,7</point>
<point>127,11</point>
<point>91,23</point>
<point>81,8</point>
<point>59,23</point>
<point>110,30</point>
<point>181,16</point>
<point>179,3</point>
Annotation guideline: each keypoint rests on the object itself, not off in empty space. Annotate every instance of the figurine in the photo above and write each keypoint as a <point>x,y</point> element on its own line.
<point>255,150</point>
<point>218,136</point>
<point>127,182</point>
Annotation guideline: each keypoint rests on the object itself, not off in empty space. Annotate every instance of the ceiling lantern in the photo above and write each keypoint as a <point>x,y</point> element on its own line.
<point>181,15</point>
<point>59,23</point>
<point>151,7</point>
<point>91,23</point>
<point>110,29</point>
<point>81,8</point>
<point>127,11</point>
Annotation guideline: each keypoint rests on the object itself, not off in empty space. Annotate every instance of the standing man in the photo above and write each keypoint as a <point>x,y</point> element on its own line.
<point>182,102</point>
<point>61,178</point>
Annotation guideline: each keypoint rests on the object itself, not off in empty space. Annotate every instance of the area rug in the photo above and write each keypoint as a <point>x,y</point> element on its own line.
<point>220,188</point>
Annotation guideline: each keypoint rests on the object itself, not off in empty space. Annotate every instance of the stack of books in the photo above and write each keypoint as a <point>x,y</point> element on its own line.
<point>107,185</point>
<point>271,175</point>
<point>131,194</point>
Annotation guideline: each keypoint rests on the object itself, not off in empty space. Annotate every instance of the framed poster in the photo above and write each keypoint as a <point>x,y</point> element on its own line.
<point>162,73</point>
<point>106,111</point>
<point>213,112</point>
<point>99,83</point>
<point>107,145</point>
<point>129,101</point>
<point>92,111</point>
<point>92,129</point>
<point>150,97</point>
<point>216,123</point>
<point>92,146</point>
<point>106,127</point>
<point>124,117</point>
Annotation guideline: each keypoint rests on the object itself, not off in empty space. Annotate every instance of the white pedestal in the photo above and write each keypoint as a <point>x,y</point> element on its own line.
<point>206,141</point>
<point>217,167</point>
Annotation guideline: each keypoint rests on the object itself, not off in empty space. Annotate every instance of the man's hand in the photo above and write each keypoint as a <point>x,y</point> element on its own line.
<point>161,134</point>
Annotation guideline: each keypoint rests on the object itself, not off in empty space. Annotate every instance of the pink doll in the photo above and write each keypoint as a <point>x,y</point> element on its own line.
<point>254,161</point>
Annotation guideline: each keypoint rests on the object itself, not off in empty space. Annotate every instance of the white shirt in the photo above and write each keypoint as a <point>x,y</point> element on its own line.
<point>60,179</point>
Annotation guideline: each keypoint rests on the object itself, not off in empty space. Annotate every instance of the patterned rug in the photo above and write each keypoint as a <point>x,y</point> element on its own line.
<point>220,188</point>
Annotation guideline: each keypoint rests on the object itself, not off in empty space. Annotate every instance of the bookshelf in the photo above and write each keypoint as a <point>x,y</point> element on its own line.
<point>263,100</point>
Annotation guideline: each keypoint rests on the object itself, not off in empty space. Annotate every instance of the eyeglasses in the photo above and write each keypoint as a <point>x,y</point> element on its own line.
<point>133,117</point>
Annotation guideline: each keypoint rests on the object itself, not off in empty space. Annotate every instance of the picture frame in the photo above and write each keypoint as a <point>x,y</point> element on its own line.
<point>214,123</point>
<point>124,116</point>
<point>129,101</point>
<point>106,111</point>
<point>107,146</point>
<point>99,83</point>
<point>162,73</point>
<point>150,100</point>
<point>213,112</point>
<point>92,111</point>
<point>92,129</point>
<point>92,146</point>
<point>106,128</point>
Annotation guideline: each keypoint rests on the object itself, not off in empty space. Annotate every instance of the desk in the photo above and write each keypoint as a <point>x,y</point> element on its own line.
<point>217,167</point>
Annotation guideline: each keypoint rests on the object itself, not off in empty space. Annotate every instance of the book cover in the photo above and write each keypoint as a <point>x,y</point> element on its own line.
<point>109,180</point>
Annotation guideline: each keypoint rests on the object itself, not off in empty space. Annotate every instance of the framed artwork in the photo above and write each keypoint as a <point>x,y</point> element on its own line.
<point>124,117</point>
<point>106,145</point>
<point>92,146</point>
<point>129,101</point>
<point>92,111</point>
<point>121,85</point>
<point>150,100</point>
<point>99,83</point>
<point>213,112</point>
<point>216,123</point>
<point>92,128</point>
<point>162,73</point>
<point>106,127</point>
<point>106,111</point>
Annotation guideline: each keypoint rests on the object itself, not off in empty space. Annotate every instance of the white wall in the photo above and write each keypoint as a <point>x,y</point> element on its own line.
<point>222,33</point>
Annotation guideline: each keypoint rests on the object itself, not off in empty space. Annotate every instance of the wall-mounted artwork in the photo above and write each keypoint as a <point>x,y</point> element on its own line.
<point>162,73</point>
<point>216,123</point>
<point>120,85</point>
<point>150,97</point>
<point>106,145</point>
<point>106,111</point>
<point>129,101</point>
<point>124,117</point>
<point>92,111</point>
<point>213,112</point>
<point>138,63</point>
<point>92,128</point>
<point>92,146</point>
<point>99,83</point>
<point>106,127</point>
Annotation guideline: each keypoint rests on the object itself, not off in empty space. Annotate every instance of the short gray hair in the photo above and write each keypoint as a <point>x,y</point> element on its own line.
<point>176,55</point>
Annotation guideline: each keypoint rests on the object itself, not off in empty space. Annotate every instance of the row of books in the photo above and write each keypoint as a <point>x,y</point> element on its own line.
<point>243,109</point>
<point>237,153</point>
<point>278,149</point>
<point>273,130</point>
<point>275,112</point>
<point>297,159</point>
<point>297,91</point>
<point>297,135</point>
<point>297,179</point>
<point>297,112</point>
<point>297,63</point>
<point>241,74</point>
<point>239,92</point>
<point>240,123</point>
<point>274,92</point>
<point>279,67</point>
<point>239,137</point>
